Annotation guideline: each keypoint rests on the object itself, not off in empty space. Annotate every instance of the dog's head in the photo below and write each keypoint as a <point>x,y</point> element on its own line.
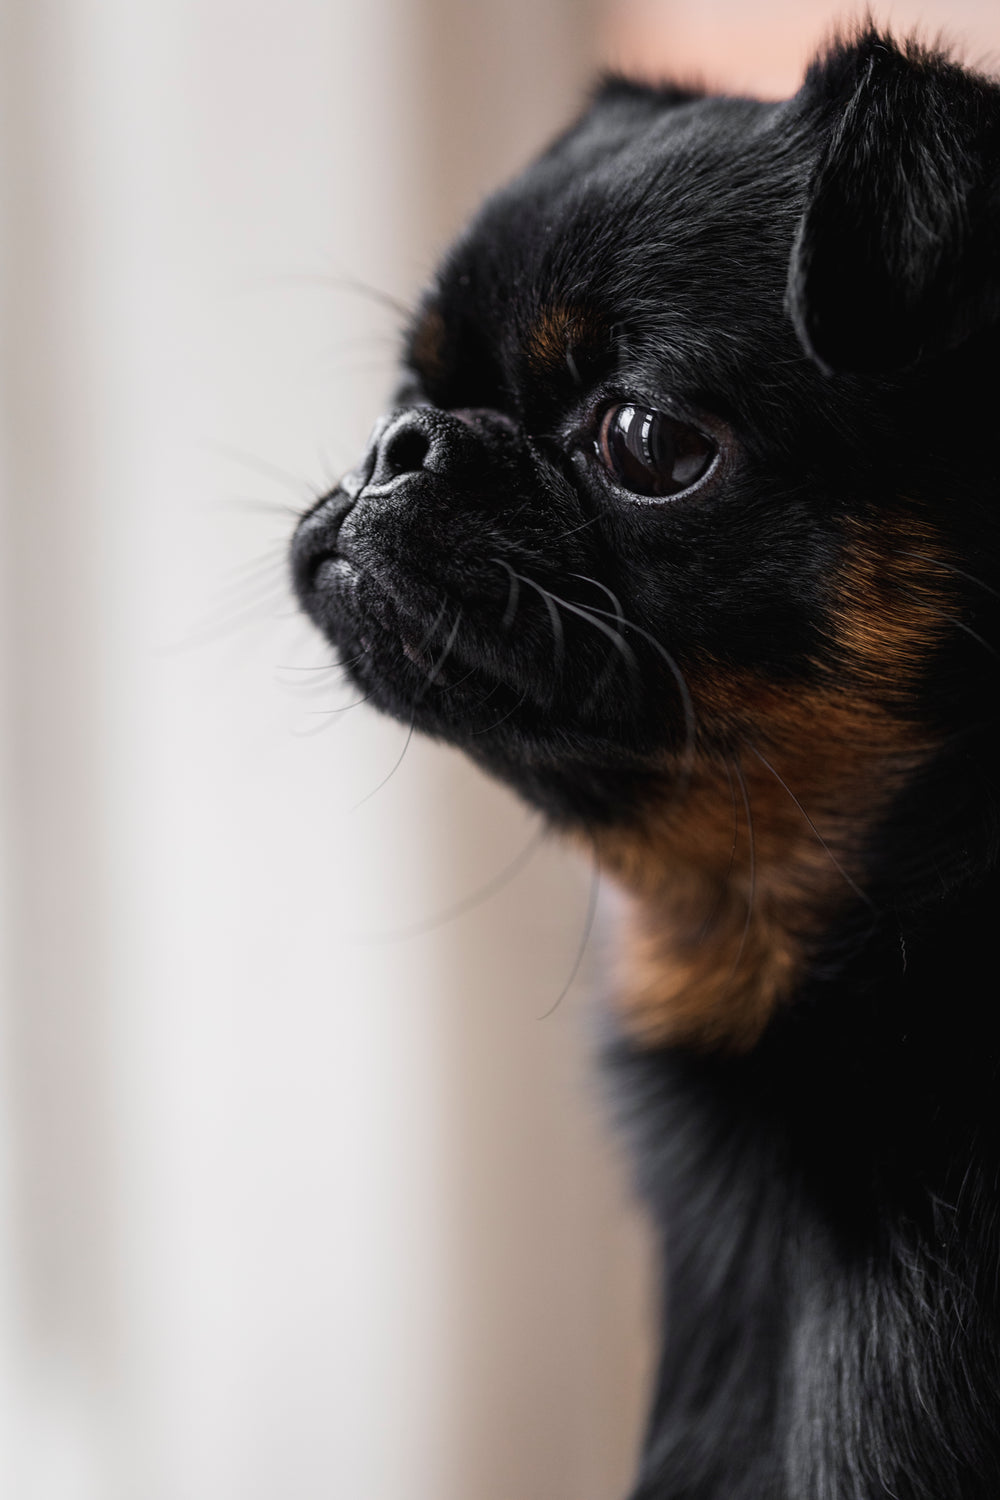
<point>683,519</point>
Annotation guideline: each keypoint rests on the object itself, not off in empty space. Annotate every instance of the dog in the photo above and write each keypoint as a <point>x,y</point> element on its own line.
<point>684,523</point>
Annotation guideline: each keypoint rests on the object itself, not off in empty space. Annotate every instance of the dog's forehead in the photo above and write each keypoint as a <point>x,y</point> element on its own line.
<point>636,232</point>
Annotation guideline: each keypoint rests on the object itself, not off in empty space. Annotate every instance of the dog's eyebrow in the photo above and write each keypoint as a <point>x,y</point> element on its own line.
<point>426,343</point>
<point>557,332</point>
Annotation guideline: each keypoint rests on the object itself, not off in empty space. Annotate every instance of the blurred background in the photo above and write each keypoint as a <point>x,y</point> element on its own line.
<point>305,1188</point>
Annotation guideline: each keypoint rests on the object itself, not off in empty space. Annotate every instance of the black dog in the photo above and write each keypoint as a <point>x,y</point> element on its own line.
<point>685,523</point>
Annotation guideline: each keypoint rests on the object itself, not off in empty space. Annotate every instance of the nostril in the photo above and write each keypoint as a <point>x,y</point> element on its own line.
<point>404,450</point>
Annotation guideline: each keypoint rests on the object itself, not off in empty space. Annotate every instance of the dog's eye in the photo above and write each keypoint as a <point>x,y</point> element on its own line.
<point>651,453</point>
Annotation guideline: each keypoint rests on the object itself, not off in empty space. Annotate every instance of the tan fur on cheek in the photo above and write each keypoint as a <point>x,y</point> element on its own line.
<point>427,345</point>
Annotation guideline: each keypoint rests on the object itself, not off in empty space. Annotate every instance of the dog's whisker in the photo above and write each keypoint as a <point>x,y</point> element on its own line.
<point>614,636</point>
<point>342,708</point>
<point>948,567</point>
<point>862,896</point>
<point>225,623</point>
<point>558,633</point>
<point>393,769</point>
<point>476,733</point>
<point>262,572</point>
<point>265,468</point>
<point>513,595</point>
<point>438,666</point>
<point>751,872</point>
<point>583,612</point>
<point>468,903</point>
<point>588,927</point>
<point>590,521</point>
<point>252,504</point>
<point>687,703</point>
<point>950,619</point>
<point>327,282</point>
<point>429,635</point>
<point>549,600</point>
<point>720,899</point>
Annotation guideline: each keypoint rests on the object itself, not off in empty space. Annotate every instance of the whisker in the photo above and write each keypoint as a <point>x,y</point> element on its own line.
<point>314,688</point>
<point>330,666</point>
<point>341,708</point>
<point>249,575</point>
<point>752,855</point>
<point>678,676</point>
<point>558,635</point>
<point>432,676</point>
<point>395,767</point>
<point>513,596</point>
<point>818,836</point>
<point>495,884</point>
<point>619,615</point>
<point>582,527</point>
<point>265,467</point>
<point>337,674</point>
<point>942,614</point>
<point>584,612</point>
<point>614,636</point>
<point>315,729</point>
<point>349,284</point>
<point>502,720</point>
<point>716,907</point>
<point>252,504</point>
<point>588,927</point>
<point>429,635</point>
<point>215,627</point>
<point>585,578</point>
<point>947,567</point>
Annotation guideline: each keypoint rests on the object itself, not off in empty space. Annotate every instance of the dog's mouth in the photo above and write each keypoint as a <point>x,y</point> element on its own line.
<point>468,653</point>
<point>402,641</point>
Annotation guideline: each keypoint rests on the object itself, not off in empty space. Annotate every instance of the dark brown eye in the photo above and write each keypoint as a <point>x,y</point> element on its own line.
<point>651,453</point>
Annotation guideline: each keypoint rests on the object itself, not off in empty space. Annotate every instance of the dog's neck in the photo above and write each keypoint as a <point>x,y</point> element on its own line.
<point>739,877</point>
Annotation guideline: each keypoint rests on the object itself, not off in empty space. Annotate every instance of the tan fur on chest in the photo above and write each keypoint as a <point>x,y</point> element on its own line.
<point>741,865</point>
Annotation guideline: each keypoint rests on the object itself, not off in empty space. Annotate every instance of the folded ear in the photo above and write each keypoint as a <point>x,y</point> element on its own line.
<point>897,255</point>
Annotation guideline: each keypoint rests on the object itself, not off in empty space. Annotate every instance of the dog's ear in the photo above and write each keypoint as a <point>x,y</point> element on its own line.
<point>897,255</point>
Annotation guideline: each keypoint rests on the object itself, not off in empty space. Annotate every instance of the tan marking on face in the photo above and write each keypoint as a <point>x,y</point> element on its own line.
<point>556,332</point>
<point>750,852</point>
<point>427,345</point>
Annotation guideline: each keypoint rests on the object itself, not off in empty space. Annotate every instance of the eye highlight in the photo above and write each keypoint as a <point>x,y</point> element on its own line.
<point>651,453</point>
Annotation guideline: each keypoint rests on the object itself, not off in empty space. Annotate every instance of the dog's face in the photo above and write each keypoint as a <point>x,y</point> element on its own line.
<point>673,520</point>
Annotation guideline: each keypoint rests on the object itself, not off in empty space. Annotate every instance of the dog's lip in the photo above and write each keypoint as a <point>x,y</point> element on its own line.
<point>336,576</point>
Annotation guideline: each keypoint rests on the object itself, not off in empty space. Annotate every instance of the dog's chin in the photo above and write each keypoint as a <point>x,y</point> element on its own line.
<point>456,687</point>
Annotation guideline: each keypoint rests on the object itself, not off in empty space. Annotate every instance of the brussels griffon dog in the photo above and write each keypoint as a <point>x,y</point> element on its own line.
<point>684,523</point>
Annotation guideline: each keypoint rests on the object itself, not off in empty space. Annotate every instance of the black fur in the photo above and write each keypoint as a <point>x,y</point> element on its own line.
<point>814,286</point>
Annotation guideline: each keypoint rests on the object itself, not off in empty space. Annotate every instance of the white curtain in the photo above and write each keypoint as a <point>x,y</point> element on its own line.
<point>294,1201</point>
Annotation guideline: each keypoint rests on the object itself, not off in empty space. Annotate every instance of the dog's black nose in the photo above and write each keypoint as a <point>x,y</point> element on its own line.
<point>402,445</point>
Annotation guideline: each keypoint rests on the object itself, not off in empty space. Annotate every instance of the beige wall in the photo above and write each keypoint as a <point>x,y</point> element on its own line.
<point>763,48</point>
<point>283,1210</point>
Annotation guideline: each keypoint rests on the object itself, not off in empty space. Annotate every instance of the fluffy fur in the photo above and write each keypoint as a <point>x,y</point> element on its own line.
<point>767,698</point>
